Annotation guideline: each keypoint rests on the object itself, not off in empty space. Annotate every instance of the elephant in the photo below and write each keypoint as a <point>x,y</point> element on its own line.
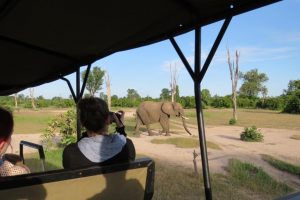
<point>149,112</point>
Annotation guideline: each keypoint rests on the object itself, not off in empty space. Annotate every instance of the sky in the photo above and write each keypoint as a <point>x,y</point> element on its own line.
<point>267,38</point>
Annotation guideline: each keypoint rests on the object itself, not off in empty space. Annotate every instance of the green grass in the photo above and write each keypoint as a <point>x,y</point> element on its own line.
<point>185,143</point>
<point>295,137</point>
<point>53,160</point>
<point>254,180</point>
<point>243,181</point>
<point>281,165</point>
<point>29,121</point>
<point>248,117</point>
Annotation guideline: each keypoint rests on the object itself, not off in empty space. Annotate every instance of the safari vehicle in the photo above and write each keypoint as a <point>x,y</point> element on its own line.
<point>43,41</point>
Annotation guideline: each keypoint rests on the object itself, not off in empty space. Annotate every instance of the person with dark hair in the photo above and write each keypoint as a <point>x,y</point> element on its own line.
<point>10,164</point>
<point>97,146</point>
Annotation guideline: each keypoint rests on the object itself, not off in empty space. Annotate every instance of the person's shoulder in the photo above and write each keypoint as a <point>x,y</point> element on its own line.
<point>70,148</point>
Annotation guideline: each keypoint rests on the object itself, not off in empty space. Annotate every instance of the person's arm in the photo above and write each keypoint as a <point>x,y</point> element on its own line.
<point>120,127</point>
<point>121,130</point>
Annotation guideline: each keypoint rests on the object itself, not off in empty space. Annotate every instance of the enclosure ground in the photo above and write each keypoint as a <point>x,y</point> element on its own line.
<point>277,142</point>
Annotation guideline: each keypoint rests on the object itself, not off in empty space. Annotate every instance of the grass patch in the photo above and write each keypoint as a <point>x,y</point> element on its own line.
<point>174,182</point>
<point>185,143</point>
<point>29,121</point>
<point>281,165</point>
<point>255,180</point>
<point>295,137</point>
<point>53,160</point>
<point>247,117</point>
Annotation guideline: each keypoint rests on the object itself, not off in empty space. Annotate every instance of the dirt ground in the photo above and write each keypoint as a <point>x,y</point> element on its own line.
<point>277,143</point>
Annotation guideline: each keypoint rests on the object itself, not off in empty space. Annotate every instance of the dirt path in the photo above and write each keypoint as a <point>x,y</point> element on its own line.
<point>277,143</point>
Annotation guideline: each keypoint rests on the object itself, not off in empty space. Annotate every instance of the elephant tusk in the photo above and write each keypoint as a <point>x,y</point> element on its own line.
<point>184,117</point>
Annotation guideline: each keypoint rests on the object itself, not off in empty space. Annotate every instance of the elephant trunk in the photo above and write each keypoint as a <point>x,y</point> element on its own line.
<point>184,125</point>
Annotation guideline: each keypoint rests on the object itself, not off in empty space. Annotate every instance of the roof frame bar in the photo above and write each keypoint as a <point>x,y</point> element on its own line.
<point>79,93</point>
<point>197,76</point>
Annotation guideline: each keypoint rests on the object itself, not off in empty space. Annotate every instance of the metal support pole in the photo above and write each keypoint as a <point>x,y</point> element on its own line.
<point>85,80</point>
<point>197,76</point>
<point>183,59</point>
<point>215,47</point>
<point>200,121</point>
<point>70,87</point>
<point>78,98</point>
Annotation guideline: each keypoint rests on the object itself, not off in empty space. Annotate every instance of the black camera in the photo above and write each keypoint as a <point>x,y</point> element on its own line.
<point>118,114</point>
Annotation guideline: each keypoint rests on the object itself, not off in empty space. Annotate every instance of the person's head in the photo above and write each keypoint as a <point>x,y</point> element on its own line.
<point>6,129</point>
<point>93,114</point>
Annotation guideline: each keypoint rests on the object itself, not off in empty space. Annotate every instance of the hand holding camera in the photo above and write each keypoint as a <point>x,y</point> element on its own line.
<point>117,117</point>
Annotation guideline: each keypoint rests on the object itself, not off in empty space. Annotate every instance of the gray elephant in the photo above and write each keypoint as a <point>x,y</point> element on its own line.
<point>153,112</point>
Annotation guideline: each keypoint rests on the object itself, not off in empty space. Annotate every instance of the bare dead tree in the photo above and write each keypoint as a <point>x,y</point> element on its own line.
<point>31,93</point>
<point>16,100</point>
<point>173,82</point>
<point>234,76</point>
<point>108,93</point>
<point>195,155</point>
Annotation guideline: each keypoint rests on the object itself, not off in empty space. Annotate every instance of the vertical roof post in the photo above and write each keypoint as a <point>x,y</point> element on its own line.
<point>199,113</point>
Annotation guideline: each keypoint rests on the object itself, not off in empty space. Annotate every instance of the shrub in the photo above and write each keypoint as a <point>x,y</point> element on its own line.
<point>65,124</point>
<point>232,121</point>
<point>221,102</point>
<point>251,134</point>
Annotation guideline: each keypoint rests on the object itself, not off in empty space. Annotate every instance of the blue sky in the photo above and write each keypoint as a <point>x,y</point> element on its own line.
<point>268,39</point>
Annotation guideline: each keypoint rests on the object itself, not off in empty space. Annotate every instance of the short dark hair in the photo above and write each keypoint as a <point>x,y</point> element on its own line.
<point>6,124</point>
<point>93,113</point>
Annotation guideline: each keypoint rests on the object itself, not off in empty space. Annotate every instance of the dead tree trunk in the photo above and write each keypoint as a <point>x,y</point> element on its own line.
<point>234,76</point>
<point>195,155</point>
<point>173,82</point>
<point>31,92</point>
<point>107,83</point>
<point>16,100</point>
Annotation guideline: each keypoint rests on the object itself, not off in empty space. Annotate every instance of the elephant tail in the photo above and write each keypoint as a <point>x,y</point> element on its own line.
<point>138,117</point>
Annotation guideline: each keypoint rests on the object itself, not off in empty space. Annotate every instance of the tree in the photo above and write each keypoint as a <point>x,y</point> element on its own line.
<point>107,83</point>
<point>205,97</point>
<point>173,81</point>
<point>165,94</point>
<point>16,100</point>
<point>292,97</point>
<point>264,93</point>
<point>132,94</point>
<point>31,93</point>
<point>94,81</point>
<point>234,76</point>
<point>253,83</point>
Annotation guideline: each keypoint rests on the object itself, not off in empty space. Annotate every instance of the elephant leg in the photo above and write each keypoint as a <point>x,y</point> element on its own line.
<point>164,122</point>
<point>137,126</point>
<point>150,132</point>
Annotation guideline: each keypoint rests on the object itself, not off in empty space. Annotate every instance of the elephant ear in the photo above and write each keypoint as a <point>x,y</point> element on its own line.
<point>168,108</point>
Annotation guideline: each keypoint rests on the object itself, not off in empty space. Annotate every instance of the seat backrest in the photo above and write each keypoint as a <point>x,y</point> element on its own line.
<point>134,180</point>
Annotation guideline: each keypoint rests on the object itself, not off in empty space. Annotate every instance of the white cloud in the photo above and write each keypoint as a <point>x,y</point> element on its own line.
<point>178,63</point>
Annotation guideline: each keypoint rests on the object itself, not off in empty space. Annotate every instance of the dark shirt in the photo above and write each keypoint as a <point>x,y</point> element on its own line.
<point>74,158</point>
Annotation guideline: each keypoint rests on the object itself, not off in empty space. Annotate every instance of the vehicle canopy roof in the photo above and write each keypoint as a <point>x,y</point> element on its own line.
<point>41,41</point>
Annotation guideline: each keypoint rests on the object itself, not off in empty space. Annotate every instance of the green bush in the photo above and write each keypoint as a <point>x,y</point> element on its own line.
<point>251,134</point>
<point>221,102</point>
<point>232,121</point>
<point>65,124</point>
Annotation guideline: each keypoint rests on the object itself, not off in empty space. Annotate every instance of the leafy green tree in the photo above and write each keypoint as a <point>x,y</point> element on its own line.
<point>206,97</point>
<point>103,96</point>
<point>95,80</point>
<point>132,94</point>
<point>292,97</point>
<point>165,94</point>
<point>253,83</point>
